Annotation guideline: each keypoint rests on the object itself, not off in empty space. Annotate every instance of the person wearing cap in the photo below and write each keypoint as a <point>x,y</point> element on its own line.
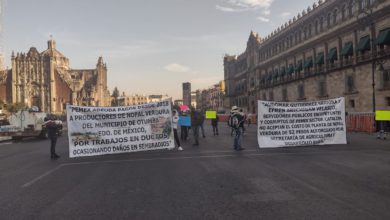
<point>52,132</point>
<point>235,119</point>
<point>175,121</point>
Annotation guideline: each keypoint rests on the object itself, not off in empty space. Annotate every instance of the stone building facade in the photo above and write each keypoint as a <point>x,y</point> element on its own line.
<point>332,49</point>
<point>46,80</point>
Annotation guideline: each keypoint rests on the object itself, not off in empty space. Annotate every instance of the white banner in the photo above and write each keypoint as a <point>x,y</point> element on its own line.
<point>283,124</point>
<point>111,130</point>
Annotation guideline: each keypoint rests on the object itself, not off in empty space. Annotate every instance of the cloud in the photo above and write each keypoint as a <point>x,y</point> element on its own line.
<point>226,9</point>
<point>285,14</point>
<point>266,12</point>
<point>262,19</point>
<point>244,5</point>
<point>177,68</point>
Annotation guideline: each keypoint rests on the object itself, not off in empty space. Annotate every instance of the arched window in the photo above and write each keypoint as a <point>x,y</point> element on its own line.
<point>305,33</point>
<point>350,8</point>
<point>334,16</point>
<point>360,5</point>
<point>288,42</point>
<point>299,35</point>
<point>321,23</point>
<point>316,27</point>
<point>309,33</point>
<point>343,12</point>
<point>328,20</point>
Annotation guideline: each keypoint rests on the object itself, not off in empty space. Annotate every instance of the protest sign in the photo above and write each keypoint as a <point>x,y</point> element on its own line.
<point>211,114</point>
<point>283,124</point>
<point>111,130</point>
<point>382,115</point>
<point>185,121</point>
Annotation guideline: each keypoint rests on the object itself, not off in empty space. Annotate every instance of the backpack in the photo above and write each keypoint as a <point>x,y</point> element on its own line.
<point>233,121</point>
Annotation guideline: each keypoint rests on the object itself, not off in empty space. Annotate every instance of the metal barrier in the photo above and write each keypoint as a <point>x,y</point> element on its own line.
<point>360,122</point>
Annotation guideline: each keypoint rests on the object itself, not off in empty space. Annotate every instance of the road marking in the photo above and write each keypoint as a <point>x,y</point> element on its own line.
<point>42,176</point>
<point>5,143</point>
<point>233,154</point>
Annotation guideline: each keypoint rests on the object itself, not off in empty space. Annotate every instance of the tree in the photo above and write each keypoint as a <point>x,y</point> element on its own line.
<point>115,95</point>
<point>15,107</point>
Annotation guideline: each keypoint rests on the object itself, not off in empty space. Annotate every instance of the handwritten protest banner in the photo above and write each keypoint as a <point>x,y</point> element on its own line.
<point>111,130</point>
<point>283,124</point>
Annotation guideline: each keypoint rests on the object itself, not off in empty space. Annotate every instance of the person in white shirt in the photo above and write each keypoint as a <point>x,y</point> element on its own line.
<point>175,121</point>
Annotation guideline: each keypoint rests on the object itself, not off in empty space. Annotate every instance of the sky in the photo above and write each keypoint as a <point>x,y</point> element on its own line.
<point>150,46</point>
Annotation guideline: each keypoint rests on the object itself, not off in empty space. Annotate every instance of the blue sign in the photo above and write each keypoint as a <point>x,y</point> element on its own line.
<point>185,121</point>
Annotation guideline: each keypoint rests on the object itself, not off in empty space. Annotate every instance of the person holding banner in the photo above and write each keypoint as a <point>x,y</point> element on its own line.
<point>196,121</point>
<point>214,123</point>
<point>52,132</point>
<point>184,126</point>
<point>201,125</point>
<point>175,121</point>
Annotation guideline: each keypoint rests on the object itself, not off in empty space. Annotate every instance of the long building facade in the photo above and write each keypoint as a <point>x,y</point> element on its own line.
<point>46,80</point>
<point>332,49</point>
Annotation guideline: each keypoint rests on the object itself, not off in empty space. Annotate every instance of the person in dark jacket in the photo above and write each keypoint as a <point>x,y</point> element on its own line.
<point>52,132</point>
<point>196,121</point>
<point>214,123</point>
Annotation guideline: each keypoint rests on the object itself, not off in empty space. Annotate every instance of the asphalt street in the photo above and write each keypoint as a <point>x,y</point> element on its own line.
<point>210,181</point>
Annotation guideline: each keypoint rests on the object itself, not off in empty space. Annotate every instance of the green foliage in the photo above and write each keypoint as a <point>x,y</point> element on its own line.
<point>15,107</point>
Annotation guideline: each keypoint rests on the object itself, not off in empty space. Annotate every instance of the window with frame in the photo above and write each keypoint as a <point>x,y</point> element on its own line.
<point>284,94</point>
<point>352,103</point>
<point>322,88</point>
<point>350,83</point>
<point>301,92</point>
<point>386,78</point>
<point>388,101</point>
<point>271,95</point>
<point>350,8</point>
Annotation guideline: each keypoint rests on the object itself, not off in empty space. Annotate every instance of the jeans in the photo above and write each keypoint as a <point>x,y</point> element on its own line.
<point>196,133</point>
<point>201,128</point>
<point>53,141</point>
<point>215,129</point>
<point>237,139</point>
<point>184,133</point>
<point>176,137</point>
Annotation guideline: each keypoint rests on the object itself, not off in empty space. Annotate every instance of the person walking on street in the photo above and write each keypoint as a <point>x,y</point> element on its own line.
<point>242,122</point>
<point>184,129</point>
<point>214,123</point>
<point>52,132</point>
<point>175,121</point>
<point>201,124</point>
<point>196,121</point>
<point>235,119</point>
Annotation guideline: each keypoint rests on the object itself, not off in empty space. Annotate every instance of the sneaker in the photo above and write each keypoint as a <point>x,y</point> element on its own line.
<point>180,148</point>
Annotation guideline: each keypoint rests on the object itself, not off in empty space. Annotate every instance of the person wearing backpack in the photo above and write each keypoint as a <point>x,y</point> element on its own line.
<point>234,121</point>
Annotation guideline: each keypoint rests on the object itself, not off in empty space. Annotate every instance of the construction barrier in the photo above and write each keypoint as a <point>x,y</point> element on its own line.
<point>361,122</point>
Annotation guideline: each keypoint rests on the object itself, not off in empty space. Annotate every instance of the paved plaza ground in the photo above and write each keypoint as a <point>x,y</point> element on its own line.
<point>210,181</point>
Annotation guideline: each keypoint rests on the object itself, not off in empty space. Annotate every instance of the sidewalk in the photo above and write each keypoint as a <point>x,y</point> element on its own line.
<point>5,138</point>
